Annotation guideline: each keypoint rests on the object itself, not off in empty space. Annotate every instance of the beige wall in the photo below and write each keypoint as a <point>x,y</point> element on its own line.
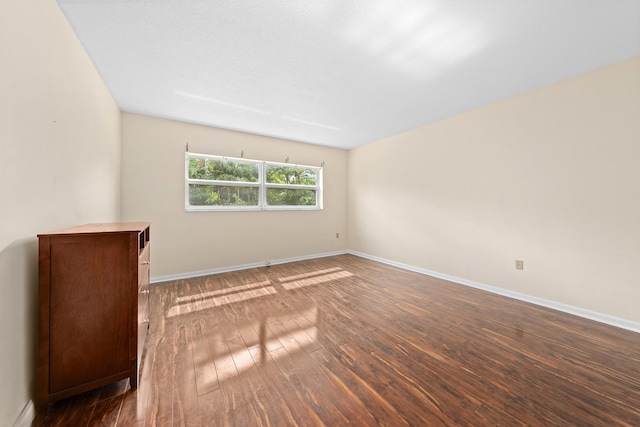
<point>188,242</point>
<point>551,177</point>
<point>59,166</point>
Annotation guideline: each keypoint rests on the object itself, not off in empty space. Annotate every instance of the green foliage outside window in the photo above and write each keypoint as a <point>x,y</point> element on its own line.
<point>290,175</point>
<point>211,182</point>
<point>222,170</point>
<point>222,195</point>
<point>290,197</point>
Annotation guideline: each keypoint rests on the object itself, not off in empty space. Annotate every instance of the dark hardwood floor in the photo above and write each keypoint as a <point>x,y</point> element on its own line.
<point>348,341</point>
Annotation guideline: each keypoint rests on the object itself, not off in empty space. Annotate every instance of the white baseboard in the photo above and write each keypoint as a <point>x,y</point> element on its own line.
<point>27,416</point>
<point>577,311</point>
<point>241,267</point>
<point>588,314</point>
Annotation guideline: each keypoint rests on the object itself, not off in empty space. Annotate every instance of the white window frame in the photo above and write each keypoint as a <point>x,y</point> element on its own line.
<point>262,186</point>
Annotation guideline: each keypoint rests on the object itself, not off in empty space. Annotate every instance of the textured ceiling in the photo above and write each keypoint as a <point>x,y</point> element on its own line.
<point>342,73</point>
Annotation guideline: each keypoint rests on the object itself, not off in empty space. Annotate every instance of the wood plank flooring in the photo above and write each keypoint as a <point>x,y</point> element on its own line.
<point>347,341</point>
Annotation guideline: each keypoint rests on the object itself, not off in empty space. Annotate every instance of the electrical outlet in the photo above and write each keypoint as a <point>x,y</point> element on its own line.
<point>519,264</point>
<point>337,235</point>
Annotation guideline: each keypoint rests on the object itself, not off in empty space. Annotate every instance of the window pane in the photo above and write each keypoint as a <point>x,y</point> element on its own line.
<point>222,195</point>
<point>290,197</point>
<point>291,175</point>
<point>222,170</point>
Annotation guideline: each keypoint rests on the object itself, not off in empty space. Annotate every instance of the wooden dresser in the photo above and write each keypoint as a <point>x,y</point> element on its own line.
<point>93,312</point>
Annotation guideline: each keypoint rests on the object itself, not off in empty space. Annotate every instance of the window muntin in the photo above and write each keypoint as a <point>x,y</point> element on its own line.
<point>221,183</point>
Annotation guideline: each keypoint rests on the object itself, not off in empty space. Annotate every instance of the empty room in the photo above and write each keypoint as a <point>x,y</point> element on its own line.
<point>320,213</point>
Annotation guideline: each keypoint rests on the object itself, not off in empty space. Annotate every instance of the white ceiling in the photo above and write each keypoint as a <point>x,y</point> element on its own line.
<point>342,73</point>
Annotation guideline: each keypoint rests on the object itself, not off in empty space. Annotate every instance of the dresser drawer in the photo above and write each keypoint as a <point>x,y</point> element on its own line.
<point>143,300</point>
<point>143,267</point>
<point>143,321</point>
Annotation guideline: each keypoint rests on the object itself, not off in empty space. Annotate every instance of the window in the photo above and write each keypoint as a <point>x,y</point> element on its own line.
<point>222,183</point>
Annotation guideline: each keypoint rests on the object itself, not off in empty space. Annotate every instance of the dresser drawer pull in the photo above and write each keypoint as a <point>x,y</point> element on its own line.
<point>145,292</point>
<point>145,321</point>
<point>146,262</point>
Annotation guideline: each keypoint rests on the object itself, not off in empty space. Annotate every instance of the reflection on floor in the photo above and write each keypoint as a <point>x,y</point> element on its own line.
<point>347,341</point>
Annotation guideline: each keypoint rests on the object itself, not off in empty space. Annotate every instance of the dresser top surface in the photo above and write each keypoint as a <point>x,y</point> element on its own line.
<point>110,227</point>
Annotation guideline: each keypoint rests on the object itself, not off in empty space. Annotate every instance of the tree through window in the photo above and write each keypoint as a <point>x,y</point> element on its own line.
<point>221,183</point>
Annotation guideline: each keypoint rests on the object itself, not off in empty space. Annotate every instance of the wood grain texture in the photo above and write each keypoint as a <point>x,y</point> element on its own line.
<point>90,291</point>
<point>348,341</point>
